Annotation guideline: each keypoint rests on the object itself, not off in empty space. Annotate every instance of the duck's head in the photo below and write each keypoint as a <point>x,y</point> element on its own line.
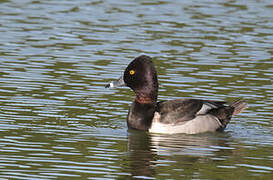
<point>140,75</point>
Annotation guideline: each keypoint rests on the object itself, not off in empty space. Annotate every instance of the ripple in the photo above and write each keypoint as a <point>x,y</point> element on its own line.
<point>58,120</point>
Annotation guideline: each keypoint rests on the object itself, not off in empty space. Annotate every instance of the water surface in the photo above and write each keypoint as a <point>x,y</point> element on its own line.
<point>58,121</point>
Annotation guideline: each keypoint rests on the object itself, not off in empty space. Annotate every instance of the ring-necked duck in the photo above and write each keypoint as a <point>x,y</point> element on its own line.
<point>189,116</point>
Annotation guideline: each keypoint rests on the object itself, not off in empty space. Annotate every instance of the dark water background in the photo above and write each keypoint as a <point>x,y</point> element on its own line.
<point>58,121</point>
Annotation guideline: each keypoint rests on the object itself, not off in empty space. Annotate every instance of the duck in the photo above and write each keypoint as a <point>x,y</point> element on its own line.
<point>182,115</point>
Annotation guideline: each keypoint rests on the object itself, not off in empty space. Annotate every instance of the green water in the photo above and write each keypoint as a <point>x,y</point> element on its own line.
<point>57,121</point>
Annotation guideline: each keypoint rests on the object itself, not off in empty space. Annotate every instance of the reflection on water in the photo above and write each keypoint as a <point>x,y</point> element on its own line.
<point>142,154</point>
<point>58,121</point>
<point>197,145</point>
<point>185,155</point>
<point>150,152</point>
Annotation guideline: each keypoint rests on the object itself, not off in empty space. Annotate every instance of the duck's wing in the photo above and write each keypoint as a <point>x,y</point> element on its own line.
<point>180,110</point>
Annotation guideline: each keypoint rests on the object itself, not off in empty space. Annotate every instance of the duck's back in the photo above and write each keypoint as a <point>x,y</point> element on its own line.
<point>181,110</point>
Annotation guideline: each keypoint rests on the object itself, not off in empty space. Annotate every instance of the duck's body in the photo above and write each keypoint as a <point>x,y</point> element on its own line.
<point>189,116</point>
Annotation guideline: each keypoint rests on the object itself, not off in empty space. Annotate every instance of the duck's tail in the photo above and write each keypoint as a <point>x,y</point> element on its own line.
<point>238,105</point>
<point>225,113</point>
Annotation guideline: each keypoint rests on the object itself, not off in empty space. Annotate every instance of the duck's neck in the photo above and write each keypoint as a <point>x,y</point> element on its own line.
<point>142,111</point>
<point>148,98</point>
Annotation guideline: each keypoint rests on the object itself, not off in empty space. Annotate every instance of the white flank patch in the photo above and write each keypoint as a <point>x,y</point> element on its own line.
<point>200,124</point>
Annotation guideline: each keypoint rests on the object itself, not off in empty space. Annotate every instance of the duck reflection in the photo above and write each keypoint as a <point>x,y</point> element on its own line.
<point>142,157</point>
<point>196,145</point>
<point>147,151</point>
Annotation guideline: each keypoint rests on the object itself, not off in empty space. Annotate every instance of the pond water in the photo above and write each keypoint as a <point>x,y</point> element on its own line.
<point>58,121</point>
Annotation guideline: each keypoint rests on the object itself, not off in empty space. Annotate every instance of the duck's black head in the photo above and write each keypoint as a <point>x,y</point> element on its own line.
<point>140,75</point>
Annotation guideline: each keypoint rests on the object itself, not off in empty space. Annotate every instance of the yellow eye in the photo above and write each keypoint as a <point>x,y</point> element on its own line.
<point>132,72</point>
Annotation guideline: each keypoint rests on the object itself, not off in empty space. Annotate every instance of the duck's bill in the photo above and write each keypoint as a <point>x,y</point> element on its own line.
<point>117,83</point>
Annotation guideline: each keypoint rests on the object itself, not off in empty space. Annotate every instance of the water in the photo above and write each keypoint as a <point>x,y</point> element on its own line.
<point>58,121</point>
